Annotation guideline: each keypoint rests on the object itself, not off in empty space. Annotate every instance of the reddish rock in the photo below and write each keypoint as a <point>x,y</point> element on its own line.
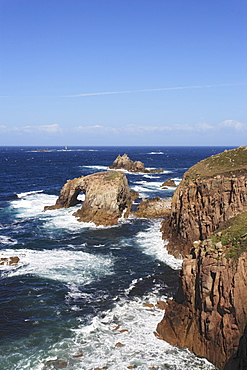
<point>209,311</point>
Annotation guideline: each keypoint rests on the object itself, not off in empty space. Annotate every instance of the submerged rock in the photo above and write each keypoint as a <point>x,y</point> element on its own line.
<point>124,162</point>
<point>107,196</point>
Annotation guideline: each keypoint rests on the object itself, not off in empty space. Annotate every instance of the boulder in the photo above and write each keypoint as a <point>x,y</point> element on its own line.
<point>169,182</point>
<point>156,207</point>
<point>107,196</point>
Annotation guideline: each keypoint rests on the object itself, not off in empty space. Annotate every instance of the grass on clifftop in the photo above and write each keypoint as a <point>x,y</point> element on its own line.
<point>233,234</point>
<point>230,161</point>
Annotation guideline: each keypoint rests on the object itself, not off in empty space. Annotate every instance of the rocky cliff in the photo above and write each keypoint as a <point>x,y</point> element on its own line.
<point>107,196</point>
<point>208,315</point>
<point>211,192</point>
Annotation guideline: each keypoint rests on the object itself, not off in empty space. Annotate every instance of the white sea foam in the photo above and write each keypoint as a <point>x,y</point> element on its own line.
<point>151,243</point>
<point>62,265</point>
<point>124,337</point>
<point>32,204</point>
<point>151,177</point>
<point>6,240</point>
<point>96,167</point>
<point>22,195</point>
<point>145,187</point>
<point>156,153</point>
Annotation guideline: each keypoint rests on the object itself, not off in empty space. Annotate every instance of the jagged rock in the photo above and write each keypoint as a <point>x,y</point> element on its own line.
<point>107,195</point>
<point>209,311</point>
<point>156,207</point>
<point>124,162</point>
<point>169,182</point>
<point>211,192</point>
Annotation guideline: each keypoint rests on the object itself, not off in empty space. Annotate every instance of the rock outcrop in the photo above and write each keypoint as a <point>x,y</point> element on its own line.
<point>156,207</point>
<point>208,315</point>
<point>107,197</point>
<point>169,182</point>
<point>211,192</point>
<point>124,162</point>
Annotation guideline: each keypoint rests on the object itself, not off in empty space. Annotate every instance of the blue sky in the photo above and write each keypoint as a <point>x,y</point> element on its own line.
<point>123,72</point>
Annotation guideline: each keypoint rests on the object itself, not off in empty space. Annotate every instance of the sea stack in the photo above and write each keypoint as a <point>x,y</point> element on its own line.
<point>107,196</point>
<point>125,163</point>
<point>208,227</point>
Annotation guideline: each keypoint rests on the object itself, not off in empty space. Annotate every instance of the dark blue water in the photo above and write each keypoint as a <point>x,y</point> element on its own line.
<point>79,289</point>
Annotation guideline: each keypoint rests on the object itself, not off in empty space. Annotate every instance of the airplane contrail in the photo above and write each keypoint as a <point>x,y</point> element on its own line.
<point>150,90</point>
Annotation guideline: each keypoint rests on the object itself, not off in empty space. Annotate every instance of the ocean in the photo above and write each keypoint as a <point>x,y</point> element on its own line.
<point>81,296</point>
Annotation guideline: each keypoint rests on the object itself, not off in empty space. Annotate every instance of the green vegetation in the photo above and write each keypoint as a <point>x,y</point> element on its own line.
<point>111,175</point>
<point>230,161</point>
<point>233,234</point>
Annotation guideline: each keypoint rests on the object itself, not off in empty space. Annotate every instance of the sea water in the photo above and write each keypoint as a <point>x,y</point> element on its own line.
<point>81,296</point>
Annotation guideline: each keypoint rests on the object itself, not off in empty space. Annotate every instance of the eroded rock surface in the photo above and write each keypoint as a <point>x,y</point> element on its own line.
<point>209,312</point>
<point>211,192</point>
<point>107,196</point>
<point>124,162</point>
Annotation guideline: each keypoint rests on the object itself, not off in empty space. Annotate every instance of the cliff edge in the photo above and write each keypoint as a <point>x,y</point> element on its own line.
<point>208,226</point>
<point>211,192</point>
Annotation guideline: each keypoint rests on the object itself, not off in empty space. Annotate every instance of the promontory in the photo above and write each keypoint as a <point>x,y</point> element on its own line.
<point>208,227</point>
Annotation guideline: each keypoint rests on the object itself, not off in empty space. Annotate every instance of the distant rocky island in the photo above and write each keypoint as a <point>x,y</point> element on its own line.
<point>208,227</point>
<point>125,163</point>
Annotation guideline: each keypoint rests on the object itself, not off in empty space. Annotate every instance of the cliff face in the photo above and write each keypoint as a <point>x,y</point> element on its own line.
<point>209,312</point>
<point>205,199</point>
<point>107,195</point>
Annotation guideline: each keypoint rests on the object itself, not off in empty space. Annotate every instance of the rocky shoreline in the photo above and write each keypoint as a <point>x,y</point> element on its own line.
<point>208,315</point>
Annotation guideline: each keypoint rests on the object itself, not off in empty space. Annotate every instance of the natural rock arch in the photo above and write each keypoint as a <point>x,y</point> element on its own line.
<point>107,195</point>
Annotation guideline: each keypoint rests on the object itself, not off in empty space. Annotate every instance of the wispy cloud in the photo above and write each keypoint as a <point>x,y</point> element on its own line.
<point>50,129</point>
<point>233,124</point>
<point>150,90</point>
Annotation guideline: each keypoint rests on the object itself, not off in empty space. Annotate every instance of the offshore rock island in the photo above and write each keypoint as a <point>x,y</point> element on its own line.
<point>125,163</point>
<point>208,227</point>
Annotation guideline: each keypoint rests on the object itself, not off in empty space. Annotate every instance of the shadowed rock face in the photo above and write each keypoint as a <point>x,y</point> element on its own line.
<point>124,162</point>
<point>209,311</point>
<point>107,195</point>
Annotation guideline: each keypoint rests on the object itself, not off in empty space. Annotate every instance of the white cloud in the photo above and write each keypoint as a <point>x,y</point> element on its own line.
<point>236,125</point>
<point>50,129</point>
<point>96,129</point>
